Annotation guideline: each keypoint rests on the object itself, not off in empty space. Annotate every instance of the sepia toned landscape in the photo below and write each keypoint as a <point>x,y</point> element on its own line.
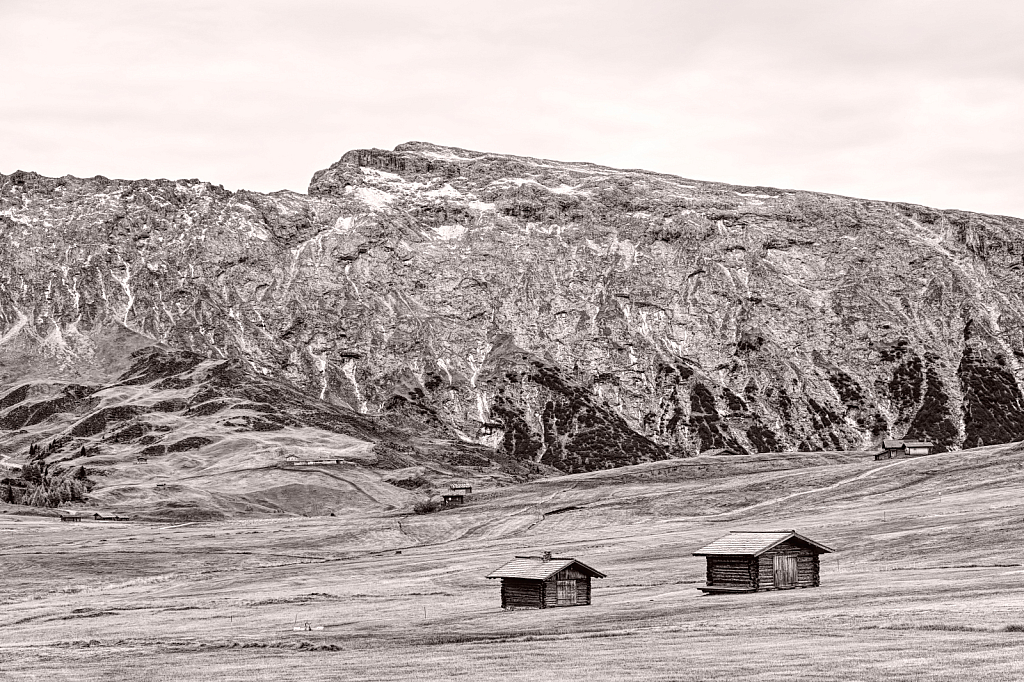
<point>926,582</point>
<point>288,437</point>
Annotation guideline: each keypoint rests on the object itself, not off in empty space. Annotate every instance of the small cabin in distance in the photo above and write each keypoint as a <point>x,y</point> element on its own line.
<point>452,500</point>
<point>99,516</point>
<point>461,488</point>
<point>542,582</point>
<point>70,517</point>
<point>293,460</point>
<point>758,561</point>
<point>716,452</point>
<point>894,449</point>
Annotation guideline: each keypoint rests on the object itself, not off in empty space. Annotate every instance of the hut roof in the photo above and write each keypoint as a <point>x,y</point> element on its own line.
<point>754,543</point>
<point>917,443</point>
<point>892,444</point>
<point>722,451</point>
<point>536,568</point>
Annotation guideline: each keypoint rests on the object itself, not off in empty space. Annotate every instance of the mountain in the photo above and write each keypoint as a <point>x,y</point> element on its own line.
<point>559,315</point>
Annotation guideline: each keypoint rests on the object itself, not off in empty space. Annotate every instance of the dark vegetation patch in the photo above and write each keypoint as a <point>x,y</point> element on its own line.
<point>408,483</point>
<point>905,387</point>
<point>207,408</point>
<point>151,364</point>
<point>763,439</point>
<point>190,443</point>
<point>935,421</point>
<point>44,484</point>
<point>98,421</point>
<point>170,405</point>
<point>750,342</point>
<point>130,433</point>
<point>576,433</point>
<point>72,398</point>
<point>391,455</point>
<point>14,397</point>
<point>857,404</point>
<point>993,404</point>
<point>154,450</point>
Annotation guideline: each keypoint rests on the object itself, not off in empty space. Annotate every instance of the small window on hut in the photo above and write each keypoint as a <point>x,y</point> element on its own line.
<point>566,591</point>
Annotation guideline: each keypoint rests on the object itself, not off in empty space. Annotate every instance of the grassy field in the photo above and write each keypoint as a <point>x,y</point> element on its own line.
<point>927,583</point>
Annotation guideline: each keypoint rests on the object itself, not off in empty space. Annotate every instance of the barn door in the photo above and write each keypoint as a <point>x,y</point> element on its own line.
<point>566,592</point>
<point>785,571</point>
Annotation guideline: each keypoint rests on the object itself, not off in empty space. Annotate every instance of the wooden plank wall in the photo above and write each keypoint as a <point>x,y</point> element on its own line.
<point>807,566</point>
<point>582,588</point>
<point>732,571</point>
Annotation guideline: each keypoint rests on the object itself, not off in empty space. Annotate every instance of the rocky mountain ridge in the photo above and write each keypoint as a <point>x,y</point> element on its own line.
<point>563,314</point>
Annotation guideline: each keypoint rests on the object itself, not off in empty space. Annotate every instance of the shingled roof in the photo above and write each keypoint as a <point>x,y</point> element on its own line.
<point>537,568</point>
<point>753,543</point>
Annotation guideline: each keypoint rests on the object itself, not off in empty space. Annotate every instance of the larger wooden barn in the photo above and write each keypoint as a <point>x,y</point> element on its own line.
<point>756,561</point>
<point>542,582</point>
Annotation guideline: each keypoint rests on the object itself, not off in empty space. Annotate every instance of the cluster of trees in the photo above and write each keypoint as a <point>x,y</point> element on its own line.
<point>44,484</point>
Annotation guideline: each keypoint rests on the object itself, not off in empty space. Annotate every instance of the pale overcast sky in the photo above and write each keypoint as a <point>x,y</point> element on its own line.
<point>918,101</point>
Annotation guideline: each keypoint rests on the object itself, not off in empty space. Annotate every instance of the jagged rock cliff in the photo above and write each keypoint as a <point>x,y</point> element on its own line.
<point>566,313</point>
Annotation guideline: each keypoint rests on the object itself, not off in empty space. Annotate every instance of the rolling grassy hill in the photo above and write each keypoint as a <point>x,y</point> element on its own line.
<point>927,582</point>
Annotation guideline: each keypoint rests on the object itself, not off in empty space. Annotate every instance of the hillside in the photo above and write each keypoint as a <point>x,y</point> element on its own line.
<point>558,315</point>
<point>925,583</point>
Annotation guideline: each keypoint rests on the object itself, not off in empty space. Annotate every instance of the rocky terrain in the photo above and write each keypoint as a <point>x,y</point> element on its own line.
<point>559,315</point>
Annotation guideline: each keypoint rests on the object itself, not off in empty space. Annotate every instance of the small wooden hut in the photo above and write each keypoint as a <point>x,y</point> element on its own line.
<point>452,500</point>
<point>893,449</point>
<point>917,448</point>
<point>890,448</point>
<point>70,517</point>
<point>757,561</point>
<point>100,516</point>
<point>461,488</point>
<point>542,582</point>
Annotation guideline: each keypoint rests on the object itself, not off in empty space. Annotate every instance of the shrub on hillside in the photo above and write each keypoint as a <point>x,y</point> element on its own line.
<point>426,506</point>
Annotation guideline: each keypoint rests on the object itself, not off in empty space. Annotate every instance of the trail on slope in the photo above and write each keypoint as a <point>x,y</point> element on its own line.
<point>784,498</point>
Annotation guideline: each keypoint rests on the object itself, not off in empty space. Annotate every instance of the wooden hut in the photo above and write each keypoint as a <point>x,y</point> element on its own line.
<point>917,448</point>
<point>452,500</point>
<point>728,452</point>
<point>461,488</point>
<point>890,448</point>
<point>99,516</point>
<point>757,561</point>
<point>543,582</point>
<point>70,517</point>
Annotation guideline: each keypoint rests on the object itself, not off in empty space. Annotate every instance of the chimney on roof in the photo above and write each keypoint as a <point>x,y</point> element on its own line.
<point>545,556</point>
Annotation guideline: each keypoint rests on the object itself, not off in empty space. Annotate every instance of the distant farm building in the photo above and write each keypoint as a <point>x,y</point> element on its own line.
<point>543,582</point>
<point>722,451</point>
<point>100,516</point>
<point>894,449</point>
<point>70,516</point>
<point>757,561</point>
<point>461,488</point>
<point>298,461</point>
<point>141,460</point>
<point>452,500</point>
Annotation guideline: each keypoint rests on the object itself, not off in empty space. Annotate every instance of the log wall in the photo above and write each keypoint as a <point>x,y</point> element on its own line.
<point>807,565</point>
<point>732,571</point>
<point>522,594</point>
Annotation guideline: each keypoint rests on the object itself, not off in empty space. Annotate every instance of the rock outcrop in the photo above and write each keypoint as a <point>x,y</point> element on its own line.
<point>564,313</point>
